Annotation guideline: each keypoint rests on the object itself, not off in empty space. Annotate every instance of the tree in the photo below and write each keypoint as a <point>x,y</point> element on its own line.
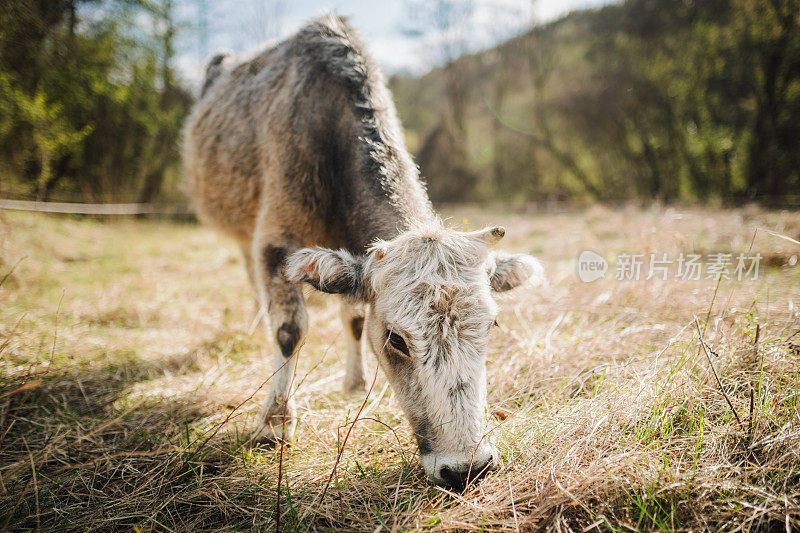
<point>94,108</point>
<point>768,34</point>
<point>445,23</point>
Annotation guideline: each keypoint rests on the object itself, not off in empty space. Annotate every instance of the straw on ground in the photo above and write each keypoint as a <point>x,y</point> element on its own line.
<point>128,403</point>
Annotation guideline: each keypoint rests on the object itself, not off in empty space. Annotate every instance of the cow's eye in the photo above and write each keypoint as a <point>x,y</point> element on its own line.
<point>397,342</point>
<point>495,324</point>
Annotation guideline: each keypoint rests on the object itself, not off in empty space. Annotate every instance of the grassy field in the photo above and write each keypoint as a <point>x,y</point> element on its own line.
<point>131,375</point>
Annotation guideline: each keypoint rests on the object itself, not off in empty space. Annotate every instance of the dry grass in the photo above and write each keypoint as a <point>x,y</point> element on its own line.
<point>126,368</point>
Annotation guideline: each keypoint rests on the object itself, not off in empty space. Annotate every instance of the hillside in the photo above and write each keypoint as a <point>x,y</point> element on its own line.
<point>644,99</point>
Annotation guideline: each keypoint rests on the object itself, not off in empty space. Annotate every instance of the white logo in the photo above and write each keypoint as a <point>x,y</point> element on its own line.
<point>591,266</point>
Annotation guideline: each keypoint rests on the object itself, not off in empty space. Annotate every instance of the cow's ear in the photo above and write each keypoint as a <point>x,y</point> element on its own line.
<point>331,271</point>
<point>507,271</point>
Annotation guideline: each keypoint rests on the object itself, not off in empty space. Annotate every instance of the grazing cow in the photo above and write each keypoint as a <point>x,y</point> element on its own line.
<point>298,154</point>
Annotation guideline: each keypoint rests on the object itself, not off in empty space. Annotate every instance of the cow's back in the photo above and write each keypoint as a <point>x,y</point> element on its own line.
<point>224,150</point>
<point>302,140</point>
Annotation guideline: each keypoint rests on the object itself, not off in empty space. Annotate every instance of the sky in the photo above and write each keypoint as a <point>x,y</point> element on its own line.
<point>401,34</point>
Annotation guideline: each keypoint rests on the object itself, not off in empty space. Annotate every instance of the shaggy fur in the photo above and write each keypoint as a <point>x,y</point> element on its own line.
<point>432,286</point>
<point>307,127</point>
<point>300,146</point>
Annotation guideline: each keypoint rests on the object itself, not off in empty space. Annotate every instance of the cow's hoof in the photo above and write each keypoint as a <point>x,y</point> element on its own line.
<point>264,443</point>
<point>273,431</point>
<point>354,386</point>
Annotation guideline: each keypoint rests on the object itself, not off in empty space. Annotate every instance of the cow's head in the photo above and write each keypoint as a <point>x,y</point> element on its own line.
<point>430,314</point>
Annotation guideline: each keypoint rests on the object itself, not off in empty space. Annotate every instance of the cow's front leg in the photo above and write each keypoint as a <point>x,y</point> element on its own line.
<point>287,326</point>
<point>353,323</point>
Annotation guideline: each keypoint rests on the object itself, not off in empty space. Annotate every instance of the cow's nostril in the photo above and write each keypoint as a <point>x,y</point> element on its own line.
<point>455,479</point>
<point>458,479</point>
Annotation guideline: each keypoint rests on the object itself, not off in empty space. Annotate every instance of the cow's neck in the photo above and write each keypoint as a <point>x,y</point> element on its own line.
<point>385,195</point>
<point>380,214</point>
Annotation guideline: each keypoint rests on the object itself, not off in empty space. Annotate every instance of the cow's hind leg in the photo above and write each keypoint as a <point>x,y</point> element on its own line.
<point>248,265</point>
<point>251,276</point>
<point>287,326</point>
<point>353,322</point>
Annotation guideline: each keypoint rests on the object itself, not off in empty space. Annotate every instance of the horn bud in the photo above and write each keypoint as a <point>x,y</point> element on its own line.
<point>498,232</point>
<point>490,235</point>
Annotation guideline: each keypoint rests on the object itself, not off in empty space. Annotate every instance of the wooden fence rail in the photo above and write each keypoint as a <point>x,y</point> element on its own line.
<point>94,209</point>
